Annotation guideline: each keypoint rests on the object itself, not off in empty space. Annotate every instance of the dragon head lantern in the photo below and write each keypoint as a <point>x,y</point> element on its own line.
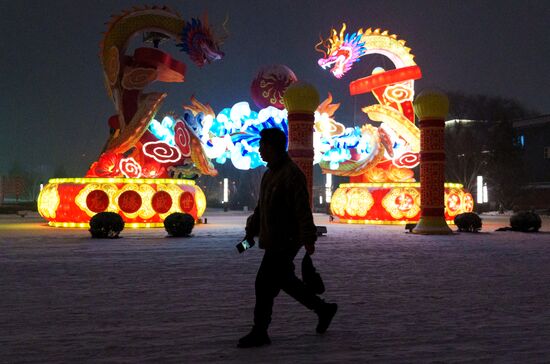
<point>342,51</point>
<point>197,41</point>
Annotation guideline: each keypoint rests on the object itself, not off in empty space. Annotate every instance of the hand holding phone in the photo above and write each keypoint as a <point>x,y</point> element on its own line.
<point>245,244</point>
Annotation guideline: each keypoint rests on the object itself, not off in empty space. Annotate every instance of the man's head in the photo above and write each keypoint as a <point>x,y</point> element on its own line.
<point>272,144</point>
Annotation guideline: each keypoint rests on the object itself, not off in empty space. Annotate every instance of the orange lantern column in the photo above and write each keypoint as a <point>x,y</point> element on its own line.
<point>301,100</point>
<point>432,107</point>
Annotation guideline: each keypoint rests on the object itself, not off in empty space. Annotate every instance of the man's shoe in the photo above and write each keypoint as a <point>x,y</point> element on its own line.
<point>254,339</point>
<point>325,313</point>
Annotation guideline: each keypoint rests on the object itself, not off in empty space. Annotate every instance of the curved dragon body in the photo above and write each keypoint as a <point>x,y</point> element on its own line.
<point>127,76</point>
<point>145,169</point>
<point>394,89</point>
<point>381,188</point>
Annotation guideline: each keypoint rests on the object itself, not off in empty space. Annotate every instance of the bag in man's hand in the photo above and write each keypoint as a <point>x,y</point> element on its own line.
<point>312,279</point>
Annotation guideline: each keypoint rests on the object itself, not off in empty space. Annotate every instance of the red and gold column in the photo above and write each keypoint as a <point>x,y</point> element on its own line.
<point>432,107</point>
<point>301,100</point>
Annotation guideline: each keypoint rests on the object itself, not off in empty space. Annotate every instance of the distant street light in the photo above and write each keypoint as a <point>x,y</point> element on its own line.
<point>479,196</point>
<point>328,188</point>
<point>225,190</point>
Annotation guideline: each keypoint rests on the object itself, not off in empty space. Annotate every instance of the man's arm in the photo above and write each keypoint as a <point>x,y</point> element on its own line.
<point>307,232</point>
<point>252,228</point>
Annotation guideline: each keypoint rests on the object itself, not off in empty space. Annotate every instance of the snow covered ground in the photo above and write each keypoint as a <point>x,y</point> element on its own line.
<point>147,298</point>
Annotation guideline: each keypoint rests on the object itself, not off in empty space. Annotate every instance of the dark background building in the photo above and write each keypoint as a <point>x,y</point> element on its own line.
<point>532,136</point>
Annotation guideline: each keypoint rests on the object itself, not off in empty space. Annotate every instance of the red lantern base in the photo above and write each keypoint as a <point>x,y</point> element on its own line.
<point>392,203</point>
<point>71,202</point>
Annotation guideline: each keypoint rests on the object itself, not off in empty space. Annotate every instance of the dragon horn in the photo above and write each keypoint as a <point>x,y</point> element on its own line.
<point>342,31</point>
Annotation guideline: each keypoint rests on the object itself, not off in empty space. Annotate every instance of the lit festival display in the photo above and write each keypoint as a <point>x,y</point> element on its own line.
<point>143,172</point>
<point>378,160</point>
<point>146,169</point>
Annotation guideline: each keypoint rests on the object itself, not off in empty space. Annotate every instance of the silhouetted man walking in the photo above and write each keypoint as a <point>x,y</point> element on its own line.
<point>283,221</point>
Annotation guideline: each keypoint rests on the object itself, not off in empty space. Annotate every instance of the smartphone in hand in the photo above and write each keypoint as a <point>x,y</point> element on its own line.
<point>245,244</point>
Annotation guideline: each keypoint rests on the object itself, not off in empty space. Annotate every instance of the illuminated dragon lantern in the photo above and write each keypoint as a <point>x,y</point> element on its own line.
<point>390,150</point>
<point>132,150</point>
<point>145,168</point>
<point>378,160</point>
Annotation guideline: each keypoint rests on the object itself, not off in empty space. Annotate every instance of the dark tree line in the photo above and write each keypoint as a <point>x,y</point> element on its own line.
<point>486,146</point>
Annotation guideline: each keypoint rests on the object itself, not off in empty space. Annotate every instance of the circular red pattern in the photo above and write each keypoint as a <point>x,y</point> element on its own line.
<point>161,202</point>
<point>129,201</point>
<point>187,201</point>
<point>407,160</point>
<point>404,202</point>
<point>161,152</point>
<point>97,201</point>
<point>129,168</point>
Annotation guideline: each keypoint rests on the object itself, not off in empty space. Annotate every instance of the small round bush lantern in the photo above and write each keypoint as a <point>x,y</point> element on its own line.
<point>468,221</point>
<point>106,225</point>
<point>525,221</point>
<point>179,224</point>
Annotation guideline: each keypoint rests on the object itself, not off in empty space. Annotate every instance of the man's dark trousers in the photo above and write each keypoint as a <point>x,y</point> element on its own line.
<point>277,272</point>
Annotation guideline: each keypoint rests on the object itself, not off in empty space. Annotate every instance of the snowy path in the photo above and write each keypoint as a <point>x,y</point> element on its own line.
<point>146,298</point>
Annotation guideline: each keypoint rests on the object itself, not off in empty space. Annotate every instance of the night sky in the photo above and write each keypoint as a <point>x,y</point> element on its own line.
<point>54,107</point>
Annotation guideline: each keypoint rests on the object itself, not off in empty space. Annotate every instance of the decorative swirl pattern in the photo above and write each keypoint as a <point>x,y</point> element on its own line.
<point>407,160</point>
<point>399,93</point>
<point>161,152</point>
<point>271,91</point>
<point>130,168</point>
<point>270,84</point>
<point>138,78</point>
<point>182,138</point>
